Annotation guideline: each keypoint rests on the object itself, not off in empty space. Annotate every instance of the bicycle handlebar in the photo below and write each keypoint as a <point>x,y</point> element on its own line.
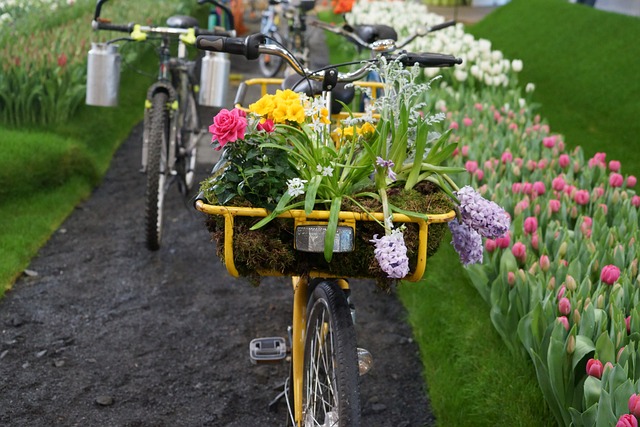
<point>351,33</point>
<point>102,24</point>
<point>252,46</point>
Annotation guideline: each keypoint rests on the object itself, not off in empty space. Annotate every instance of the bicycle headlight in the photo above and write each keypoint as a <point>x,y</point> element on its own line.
<point>310,238</point>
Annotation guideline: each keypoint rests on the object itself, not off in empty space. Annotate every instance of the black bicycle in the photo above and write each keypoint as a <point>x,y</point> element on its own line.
<point>171,123</point>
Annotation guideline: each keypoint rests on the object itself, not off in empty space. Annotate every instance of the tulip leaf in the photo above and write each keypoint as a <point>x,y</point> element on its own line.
<point>557,364</point>
<point>544,381</point>
<point>584,346</point>
<point>605,349</point>
<point>622,393</point>
<point>606,417</point>
<point>592,390</point>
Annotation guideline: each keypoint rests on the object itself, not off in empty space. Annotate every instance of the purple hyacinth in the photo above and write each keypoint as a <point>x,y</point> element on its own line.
<point>483,215</point>
<point>391,254</point>
<point>467,242</point>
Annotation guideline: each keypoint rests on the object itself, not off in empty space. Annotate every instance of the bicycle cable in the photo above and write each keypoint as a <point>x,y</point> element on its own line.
<point>297,61</point>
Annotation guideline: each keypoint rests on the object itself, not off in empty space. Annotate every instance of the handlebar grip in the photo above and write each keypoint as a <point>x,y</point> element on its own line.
<point>114,27</point>
<point>427,60</point>
<point>247,47</point>
<point>441,26</point>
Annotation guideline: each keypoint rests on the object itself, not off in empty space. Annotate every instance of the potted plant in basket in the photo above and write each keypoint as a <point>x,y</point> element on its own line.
<point>284,154</point>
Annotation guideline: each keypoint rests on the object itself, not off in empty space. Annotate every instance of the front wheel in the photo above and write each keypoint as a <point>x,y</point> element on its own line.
<point>158,128</point>
<point>330,387</point>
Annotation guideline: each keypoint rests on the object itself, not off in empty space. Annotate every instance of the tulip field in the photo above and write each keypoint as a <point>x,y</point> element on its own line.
<point>563,283</point>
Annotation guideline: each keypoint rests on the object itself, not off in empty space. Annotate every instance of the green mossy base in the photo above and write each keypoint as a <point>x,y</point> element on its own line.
<point>271,247</point>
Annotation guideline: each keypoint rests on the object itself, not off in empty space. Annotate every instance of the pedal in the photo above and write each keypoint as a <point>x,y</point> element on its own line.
<point>267,350</point>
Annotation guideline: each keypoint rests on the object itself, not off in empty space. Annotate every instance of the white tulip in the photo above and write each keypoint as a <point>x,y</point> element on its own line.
<point>516,65</point>
<point>530,87</point>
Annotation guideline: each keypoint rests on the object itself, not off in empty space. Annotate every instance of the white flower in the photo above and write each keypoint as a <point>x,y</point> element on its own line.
<point>460,75</point>
<point>516,65</point>
<point>522,102</point>
<point>530,87</point>
<point>296,186</point>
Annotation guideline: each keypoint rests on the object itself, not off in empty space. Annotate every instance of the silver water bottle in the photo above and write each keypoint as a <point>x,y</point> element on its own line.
<point>214,79</point>
<point>103,75</point>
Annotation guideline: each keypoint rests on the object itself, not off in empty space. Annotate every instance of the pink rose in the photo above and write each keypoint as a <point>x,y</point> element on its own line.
<point>616,180</point>
<point>564,160</point>
<point>530,225</point>
<point>228,126</point>
<point>564,306</point>
<point>267,125</point>
<point>634,404</point>
<point>519,250</point>
<point>627,420</point>
<point>609,274</point>
<point>594,368</point>
<point>631,181</point>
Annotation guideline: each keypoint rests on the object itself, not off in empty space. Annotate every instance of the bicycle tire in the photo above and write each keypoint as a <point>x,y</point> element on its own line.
<point>330,385</point>
<point>270,65</point>
<point>158,128</point>
<point>189,134</point>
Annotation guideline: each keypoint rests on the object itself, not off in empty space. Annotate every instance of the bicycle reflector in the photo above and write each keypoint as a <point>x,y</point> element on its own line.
<point>310,238</point>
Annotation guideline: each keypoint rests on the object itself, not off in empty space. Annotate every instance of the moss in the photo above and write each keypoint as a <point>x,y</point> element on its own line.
<point>271,247</point>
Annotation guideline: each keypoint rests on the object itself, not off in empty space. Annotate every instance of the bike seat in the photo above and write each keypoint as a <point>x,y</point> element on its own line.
<point>372,33</point>
<point>314,87</point>
<point>182,21</point>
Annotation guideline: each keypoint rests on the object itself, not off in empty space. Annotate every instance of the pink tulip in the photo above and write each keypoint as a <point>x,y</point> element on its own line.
<point>542,164</point>
<point>616,180</point>
<point>635,201</point>
<point>598,191</point>
<point>504,241</point>
<point>516,187</point>
<point>595,368</point>
<point>627,420</point>
<point>454,125</point>
<point>564,321</point>
<point>614,166</point>
<point>558,183</point>
<point>545,264</point>
<point>507,157</point>
<point>465,150</point>
<point>549,141</point>
<point>527,188</point>
<point>530,225</point>
<point>478,106</point>
<point>511,278</point>
<point>467,121</point>
<point>532,165</point>
<point>513,126</point>
<point>471,166</point>
<point>490,245</point>
<point>634,405</point>
<point>519,251</point>
<point>564,306</point>
<point>554,205</point>
<point>561,292</point>
<point>488,164</point>
<point>581,197</point>
<point>479,174</point>
<point>631,181</point>
<point>609,274</point>
<point>535,241</point>
<point>539,188</point>
<point>564,161</point>
<point>627,322</point>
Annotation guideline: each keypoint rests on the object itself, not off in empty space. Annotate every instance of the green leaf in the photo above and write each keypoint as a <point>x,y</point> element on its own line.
<point>584,347</point>
<point>592,389</point>
<point>605,349</point>
<point>312,190</point>
<point>332,227</point>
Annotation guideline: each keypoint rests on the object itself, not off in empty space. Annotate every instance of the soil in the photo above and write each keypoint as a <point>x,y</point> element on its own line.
<point>103,332</point>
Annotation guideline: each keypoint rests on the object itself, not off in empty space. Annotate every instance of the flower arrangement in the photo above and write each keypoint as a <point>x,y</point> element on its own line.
<point>284,153</point>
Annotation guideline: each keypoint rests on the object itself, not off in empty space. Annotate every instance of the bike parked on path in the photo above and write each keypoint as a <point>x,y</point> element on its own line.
<point>171,123</point>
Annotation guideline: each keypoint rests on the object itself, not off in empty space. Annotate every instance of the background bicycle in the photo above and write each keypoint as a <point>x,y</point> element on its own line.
<point>171,121</point>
